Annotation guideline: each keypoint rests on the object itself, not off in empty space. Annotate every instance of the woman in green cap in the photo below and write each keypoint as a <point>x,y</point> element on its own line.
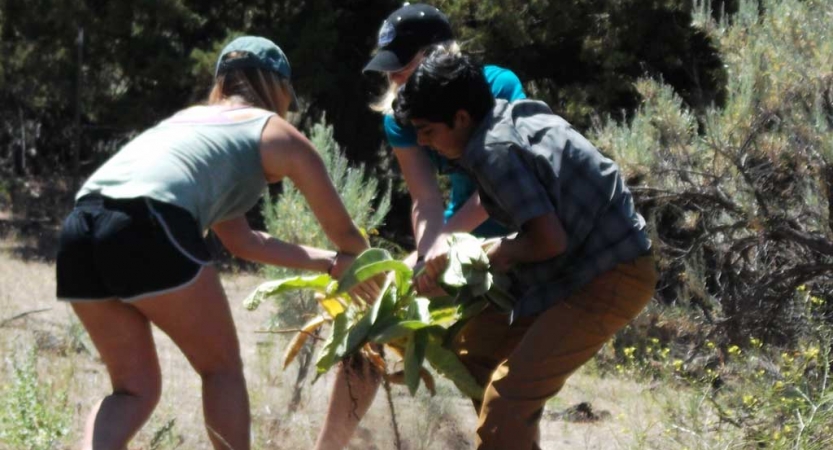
<point>132,251</point>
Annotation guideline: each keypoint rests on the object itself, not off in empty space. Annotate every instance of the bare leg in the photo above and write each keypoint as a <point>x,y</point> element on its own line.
<point>124,341</point>
<point>199,321</point>
<point>354,388</point>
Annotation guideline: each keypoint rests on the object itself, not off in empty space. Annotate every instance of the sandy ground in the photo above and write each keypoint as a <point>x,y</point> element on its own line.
<point>30,316</point>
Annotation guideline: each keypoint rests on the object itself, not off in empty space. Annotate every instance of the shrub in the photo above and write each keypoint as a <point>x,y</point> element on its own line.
<point>741,201</point>
<point>33,415</point>
<point>289,218</point>
<point>740,196</point>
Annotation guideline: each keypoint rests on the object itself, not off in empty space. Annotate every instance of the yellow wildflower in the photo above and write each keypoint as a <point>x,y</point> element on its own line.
<point>678,364</point>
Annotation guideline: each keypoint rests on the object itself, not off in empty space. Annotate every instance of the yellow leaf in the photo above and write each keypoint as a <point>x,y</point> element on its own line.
<point>300,339</point>
<point>330,304</point>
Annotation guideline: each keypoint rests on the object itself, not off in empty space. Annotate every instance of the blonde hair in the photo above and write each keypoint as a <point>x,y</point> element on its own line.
<point>256,87</point>
<point>384,103</point>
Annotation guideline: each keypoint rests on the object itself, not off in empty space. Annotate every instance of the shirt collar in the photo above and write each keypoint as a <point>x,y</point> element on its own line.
<point>477,141</point>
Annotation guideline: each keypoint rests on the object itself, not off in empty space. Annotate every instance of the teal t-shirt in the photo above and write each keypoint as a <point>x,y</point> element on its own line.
<point>505,85</point>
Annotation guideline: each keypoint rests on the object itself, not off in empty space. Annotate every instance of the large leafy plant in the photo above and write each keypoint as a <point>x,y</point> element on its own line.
<point>413,327</point>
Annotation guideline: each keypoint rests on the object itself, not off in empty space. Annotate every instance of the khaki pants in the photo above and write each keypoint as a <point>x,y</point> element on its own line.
<point>527,363</point>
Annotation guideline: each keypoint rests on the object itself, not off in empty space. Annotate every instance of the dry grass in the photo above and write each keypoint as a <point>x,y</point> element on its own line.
<point>67,360</point>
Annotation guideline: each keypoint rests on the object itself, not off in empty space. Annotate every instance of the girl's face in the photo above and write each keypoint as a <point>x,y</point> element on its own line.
<point>401,76</point>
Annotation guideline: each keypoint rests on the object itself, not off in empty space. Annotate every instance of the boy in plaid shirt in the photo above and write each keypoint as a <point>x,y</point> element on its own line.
<point>581,260</point>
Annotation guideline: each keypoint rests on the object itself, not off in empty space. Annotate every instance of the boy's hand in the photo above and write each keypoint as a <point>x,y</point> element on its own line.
<point>499,259</point>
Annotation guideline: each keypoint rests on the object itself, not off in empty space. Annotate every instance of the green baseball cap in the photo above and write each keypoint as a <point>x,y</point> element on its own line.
<point>260,53</point>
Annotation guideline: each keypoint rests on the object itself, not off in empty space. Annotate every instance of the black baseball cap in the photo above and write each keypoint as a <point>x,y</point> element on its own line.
<point>405,32</point>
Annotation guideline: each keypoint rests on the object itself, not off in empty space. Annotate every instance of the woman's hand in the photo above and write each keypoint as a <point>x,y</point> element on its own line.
<point>426,281</point>
<point>340,264</point>
<point>368,290</point>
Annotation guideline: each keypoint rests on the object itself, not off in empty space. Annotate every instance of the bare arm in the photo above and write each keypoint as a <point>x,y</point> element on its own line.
<point>468,217</point>
<point>287,153</point>
<point>426,199</point>
<point>243,242</point>
<point>542,238</point>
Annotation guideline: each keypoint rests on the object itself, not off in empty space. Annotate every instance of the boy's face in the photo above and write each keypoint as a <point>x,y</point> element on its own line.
<point>447,141</point>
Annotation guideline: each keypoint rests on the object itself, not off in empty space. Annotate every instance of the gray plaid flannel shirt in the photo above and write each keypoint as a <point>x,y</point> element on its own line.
<point>527,162</point>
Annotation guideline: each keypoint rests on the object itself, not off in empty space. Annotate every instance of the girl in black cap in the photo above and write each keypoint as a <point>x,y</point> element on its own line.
<point>403,40</point>
<point>132,252</point>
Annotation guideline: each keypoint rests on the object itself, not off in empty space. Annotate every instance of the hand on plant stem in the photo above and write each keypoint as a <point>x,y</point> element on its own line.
<point>499,259</point>
<point>341,263</point>
<point>370,289</point>
<point>426,279</point>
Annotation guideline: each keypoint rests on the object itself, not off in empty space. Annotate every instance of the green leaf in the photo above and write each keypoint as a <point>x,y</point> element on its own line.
<point>401,270</point>
<point>474,308</point>
<point>356,336</point>
<point>478,281</point>
<point>269,289</point>
<point>333,346</point>
<point>469,250</point>
<point>419,310</point>
<point>414,355</point>
<point>445,316</point>
<point>447,364</point>
<point>468,265</point>
<point>397,330</point>
<point>349,279</point>
<point>466,312</point>
<point>385,304</point>
<point>453,275</point>
<point>503,300</point>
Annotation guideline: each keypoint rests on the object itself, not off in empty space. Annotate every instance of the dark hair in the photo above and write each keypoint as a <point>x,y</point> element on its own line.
<point>443,84</point>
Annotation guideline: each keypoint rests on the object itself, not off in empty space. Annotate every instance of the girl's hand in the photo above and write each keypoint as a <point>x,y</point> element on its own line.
<point>368,290</point>
<point>426,282</point>
<point>340,264</point>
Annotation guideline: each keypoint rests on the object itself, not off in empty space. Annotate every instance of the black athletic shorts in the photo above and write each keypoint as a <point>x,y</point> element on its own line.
<point>127,249</point>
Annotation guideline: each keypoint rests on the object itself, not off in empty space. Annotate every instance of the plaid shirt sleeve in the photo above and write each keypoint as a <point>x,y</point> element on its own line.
<point>510,185</point>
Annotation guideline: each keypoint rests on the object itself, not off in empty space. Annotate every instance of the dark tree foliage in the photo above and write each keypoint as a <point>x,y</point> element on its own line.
<point>583,56</point>
<point>143,60</point>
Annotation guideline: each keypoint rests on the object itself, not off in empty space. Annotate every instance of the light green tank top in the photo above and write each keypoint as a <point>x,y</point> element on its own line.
<point>204,163</point>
